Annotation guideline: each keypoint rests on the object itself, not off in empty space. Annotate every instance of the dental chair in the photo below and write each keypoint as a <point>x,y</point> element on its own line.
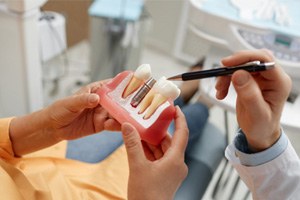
<point>202,159</point>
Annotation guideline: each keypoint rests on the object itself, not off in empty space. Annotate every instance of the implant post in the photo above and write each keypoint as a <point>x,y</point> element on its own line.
<point>138,97</point>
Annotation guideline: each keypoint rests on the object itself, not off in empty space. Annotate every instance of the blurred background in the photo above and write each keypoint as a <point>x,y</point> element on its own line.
<point>51,48</point>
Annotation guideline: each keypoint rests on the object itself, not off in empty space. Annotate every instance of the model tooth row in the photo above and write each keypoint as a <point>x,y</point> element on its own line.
<point>141,74</point>
<point>159,94</point>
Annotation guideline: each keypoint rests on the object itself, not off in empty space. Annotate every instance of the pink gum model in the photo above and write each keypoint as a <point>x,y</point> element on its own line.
<point>151,130</point>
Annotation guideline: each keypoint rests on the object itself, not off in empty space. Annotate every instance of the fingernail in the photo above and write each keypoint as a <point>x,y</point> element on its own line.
<point>127,129</point>
<point>242,79</point>
<point>226,58</point>
<point>93,98</point>
<point>218,94</point>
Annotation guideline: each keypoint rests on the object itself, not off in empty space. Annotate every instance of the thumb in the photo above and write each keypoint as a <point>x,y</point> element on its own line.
<point>248,92</point>
<point>78,102</point>
<point>132,143</point>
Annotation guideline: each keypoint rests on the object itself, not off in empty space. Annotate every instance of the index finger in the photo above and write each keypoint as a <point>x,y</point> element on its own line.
<point>92,87</point>
<point>181,133</point>
<point>222,86</point>
<point>272,76</point>
<point>262,55</point>
<point>245,56</point>
<point>241,57</point>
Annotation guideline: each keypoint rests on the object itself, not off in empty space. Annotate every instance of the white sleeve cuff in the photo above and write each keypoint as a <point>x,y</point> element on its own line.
<point>254,159</point>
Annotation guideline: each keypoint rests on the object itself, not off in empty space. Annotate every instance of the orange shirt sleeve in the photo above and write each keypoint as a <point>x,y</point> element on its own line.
<point>44,178</point>
<point>6,150</point>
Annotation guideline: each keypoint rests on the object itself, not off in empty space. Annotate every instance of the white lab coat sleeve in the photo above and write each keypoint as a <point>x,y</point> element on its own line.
<point>276,179</point>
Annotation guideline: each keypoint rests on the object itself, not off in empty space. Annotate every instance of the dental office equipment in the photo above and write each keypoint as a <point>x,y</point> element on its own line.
<point>216,28</point>
<point>254,66</point>
<point>21,86</point>
<point>117,27</point>
<point>263,10</point>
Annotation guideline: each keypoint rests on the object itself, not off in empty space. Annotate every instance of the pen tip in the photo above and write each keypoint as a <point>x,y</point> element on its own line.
<point>175,78</point>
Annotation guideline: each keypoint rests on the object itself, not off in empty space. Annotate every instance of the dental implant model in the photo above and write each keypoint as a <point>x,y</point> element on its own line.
<point>130,97</point>
<point>145,103</point>
<point>142,92</point>
<point>141,74</point>
<point>163,91</point>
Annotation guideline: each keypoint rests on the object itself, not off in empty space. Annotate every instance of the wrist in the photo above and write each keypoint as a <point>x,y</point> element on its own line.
<point>145,193</point>
<point>30,133</point>
<point>150,196</point>
<point>263,143</point>
<point>49,128</point>
<point>250,158</point>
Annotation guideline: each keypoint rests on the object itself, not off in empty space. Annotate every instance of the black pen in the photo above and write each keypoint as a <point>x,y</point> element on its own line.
<point>254,66</point>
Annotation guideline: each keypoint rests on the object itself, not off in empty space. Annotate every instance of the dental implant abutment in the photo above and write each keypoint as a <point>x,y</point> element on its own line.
<point>143,91</point>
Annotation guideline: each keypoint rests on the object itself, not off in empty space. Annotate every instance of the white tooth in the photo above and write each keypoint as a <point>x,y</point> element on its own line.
<point>156,102</point>
<point>132,86</point>
<point>146,101</point>
<point>149,97</point>
<point>168,89</point>
<point>141,74</point>
<point>160,83</point>
<point>165,90</point>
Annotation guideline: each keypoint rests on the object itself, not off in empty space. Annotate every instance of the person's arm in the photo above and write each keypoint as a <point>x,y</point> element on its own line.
<point>156,172</point>
<point>260,98</point>
<point>270,174</point>
<point>249,158</point>
<point>261,153</point>
<point>69,118</point>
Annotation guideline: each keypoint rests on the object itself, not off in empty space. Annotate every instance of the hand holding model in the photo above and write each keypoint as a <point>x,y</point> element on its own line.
<point>73,117</point>
<point>260,98</point>
<point>136,98</point>
<point>156,172</point>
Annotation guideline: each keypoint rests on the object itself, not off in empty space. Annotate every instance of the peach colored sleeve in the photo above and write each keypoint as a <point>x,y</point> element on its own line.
<point>55,178</point>
<point>6,150</point>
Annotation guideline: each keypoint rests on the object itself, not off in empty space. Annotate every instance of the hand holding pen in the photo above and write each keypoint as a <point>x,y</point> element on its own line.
<point>253,66</point>
<point>260,97</point>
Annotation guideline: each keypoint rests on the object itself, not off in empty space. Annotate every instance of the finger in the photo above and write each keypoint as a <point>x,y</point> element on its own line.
<point>103,120</point>
<point>95,86</point>
<point>262,55</point>
<point>166,143</point>
<point>274,76</point>
<point>148,153</point>
<point>248,92</point>
<point>181,133</point>
<point>88,88</point>
<point>222,86</point>
<point>156,150</point>
<point>92,87</point>
<point>133,144</point>
<point>112,125</point>
<point>242,57</point>
<point>77,103</point>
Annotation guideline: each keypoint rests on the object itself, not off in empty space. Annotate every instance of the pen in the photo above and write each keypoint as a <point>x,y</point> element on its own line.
<point>253,66</point>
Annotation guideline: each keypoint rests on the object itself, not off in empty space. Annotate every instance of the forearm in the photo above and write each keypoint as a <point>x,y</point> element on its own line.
<point>248,157</point>
<point>30,133</point>
<point>282,173</point>
<point>276,167</point>
<point>150,195</point>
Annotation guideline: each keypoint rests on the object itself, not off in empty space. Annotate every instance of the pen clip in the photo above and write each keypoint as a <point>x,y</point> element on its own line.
<point>249,64</point>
